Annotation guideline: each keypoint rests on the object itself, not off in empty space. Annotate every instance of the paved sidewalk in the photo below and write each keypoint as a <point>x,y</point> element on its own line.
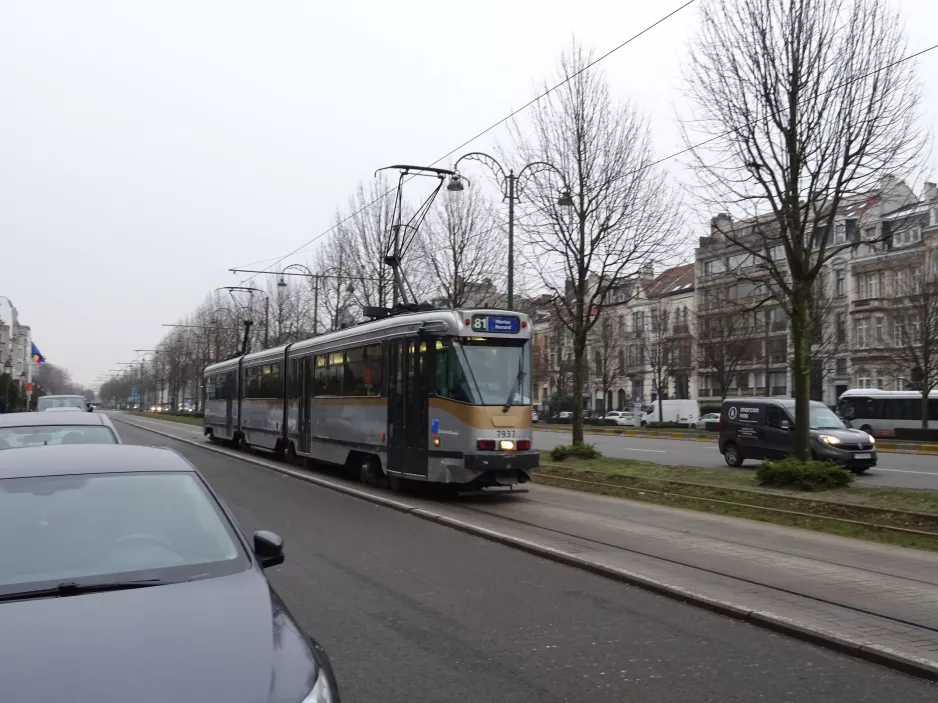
<point>875,601</point>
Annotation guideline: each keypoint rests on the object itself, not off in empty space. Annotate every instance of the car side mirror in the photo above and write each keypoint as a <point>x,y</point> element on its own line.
<point>268,548</point>
<point>785,425</point>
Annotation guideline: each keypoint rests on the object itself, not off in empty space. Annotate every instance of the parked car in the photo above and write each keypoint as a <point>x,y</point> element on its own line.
<point>65,426</point>
<point>710,421</point>
<point>54,402</point>
<point>761,428</point>
<point>565,415</point>
<point>683,412</point>
<point>128,580</point>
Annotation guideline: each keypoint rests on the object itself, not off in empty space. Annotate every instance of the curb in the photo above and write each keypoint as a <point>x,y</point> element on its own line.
<point>869,652</point>
<point>881,447</point>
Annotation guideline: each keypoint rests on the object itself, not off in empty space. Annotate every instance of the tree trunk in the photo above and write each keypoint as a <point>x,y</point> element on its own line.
<point>802,327</point>
<point>579,352</point>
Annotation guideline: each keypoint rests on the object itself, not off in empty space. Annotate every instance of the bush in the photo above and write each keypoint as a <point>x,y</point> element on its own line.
<point>577,451</point>
<point>803,475</point>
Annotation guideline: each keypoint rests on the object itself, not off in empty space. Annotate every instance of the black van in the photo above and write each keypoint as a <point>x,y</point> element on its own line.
<point>761,428</point>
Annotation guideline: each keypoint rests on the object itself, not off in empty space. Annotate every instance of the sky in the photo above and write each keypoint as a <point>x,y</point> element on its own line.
<point>148,147</point>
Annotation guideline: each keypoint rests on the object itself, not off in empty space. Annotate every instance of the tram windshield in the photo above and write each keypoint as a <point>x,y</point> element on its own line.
<point>484,371</point>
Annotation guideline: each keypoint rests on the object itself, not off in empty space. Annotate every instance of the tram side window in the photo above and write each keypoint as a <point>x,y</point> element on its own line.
<point>210,388</point>
<point>374,370</point>
<point>322,375</point>
<point>252,382</point>
<point>271,386</point>
<point>354,383</point>
<point>336,372</point>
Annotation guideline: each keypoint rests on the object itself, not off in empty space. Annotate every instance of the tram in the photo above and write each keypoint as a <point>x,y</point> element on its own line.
<point>440,396</point>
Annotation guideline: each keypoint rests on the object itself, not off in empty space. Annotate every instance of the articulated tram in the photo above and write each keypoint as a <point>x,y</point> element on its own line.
<point>441,396</point>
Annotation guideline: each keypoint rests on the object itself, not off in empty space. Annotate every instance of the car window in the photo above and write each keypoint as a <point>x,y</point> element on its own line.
<point>774,416</point>
<point>38,436</point>
<point>75,526</point>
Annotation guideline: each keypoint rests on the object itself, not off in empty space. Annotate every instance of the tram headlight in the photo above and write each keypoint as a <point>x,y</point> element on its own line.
<point>507,445</point>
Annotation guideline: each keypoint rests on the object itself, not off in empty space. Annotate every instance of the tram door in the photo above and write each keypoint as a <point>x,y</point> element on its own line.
<point>304,387</point>
<point>407,406</point>
<point>229,401</point>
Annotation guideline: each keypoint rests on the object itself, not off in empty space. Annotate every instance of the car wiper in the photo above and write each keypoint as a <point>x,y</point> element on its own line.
<point>511,392</point>
<point>71,588</point>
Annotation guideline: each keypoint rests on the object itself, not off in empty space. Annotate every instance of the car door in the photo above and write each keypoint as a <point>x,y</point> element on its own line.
<point>776,433</point>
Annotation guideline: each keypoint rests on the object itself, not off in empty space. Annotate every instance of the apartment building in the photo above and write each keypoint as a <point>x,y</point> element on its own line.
<point>744,340</point>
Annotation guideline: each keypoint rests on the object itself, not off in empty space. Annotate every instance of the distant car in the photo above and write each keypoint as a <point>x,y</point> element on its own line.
<point>49,402</point>
<point>565,415</point>
<point>65,426</point>
<point>144,588</point>
<point>620,417</point>
<point>534,416</point>
<point>710,417</point>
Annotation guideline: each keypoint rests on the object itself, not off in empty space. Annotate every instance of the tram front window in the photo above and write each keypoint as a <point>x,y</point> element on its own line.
<point>484,371</point>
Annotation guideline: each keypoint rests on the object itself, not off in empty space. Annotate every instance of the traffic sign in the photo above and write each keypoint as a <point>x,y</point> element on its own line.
<point>29,386</point>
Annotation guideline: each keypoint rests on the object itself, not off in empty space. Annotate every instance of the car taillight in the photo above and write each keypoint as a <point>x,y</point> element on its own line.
<point>486,445</point>
<point>524,445</point>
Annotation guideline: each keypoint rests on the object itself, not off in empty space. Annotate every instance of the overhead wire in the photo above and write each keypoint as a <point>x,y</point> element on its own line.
<point>302,247</point>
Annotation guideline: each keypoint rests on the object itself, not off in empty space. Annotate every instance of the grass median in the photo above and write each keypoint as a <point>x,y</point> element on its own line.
<point>184,419</point>
<point>884,514</point>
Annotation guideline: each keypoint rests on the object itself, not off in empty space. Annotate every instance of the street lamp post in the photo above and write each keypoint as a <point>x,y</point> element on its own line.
<point>282,283</point>
<point>512,186</point>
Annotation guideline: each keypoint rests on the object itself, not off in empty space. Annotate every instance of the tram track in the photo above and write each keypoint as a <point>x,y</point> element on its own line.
<point>724,573</point>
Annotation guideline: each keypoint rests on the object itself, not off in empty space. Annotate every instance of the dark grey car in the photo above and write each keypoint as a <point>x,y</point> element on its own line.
<point>124,578</point>
<point>761,428</point>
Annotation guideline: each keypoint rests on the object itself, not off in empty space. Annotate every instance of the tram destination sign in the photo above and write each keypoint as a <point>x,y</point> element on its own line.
<point>499,324</point>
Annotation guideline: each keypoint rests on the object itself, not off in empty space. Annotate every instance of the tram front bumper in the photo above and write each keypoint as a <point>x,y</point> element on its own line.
<point>518,461</point>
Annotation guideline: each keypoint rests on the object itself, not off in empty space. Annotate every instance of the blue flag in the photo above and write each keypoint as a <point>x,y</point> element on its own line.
<point>37,357</point>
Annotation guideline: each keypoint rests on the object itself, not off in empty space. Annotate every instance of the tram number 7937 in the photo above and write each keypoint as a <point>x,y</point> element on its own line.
<point>504,433</point>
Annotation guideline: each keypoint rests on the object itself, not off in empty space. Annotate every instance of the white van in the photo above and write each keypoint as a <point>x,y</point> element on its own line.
<point>685,412</point>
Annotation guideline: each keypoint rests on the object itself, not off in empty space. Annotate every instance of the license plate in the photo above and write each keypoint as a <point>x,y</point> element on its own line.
<point>862,456</point>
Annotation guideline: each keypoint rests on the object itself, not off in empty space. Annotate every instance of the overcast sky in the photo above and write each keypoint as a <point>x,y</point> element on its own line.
<point>147,147</point>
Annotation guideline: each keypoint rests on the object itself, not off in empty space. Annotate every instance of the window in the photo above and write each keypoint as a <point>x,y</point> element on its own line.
<point>841,327</point>
<point>840,232</point>
<point>638,323</point>
<point>878,337</point>
<point>863,335</point>
<point>335,374</point>
<point>598,362</point>
<point>872,285</point>
<point>774,417</point>
<point>901,281</point>
<point>906,237</point>
<point>898,332</point>
<point>840,278</point>
<point>621,362</point>
<point>841,367</point>
<point>321,375</point>
<point>915,276</point>
<point>779,383</point>
<point>777,253</point>
<point>483,373</point>
<point>740,261</point>
<point>713,266</point>
<point>863,379</point>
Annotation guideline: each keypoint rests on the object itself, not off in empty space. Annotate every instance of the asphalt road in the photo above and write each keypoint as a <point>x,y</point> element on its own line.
<point>906,470</point>
<point>413,611</point>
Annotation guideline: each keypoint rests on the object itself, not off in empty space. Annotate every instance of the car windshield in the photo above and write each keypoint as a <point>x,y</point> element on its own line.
<point>62,528</point>
<point>41,435</point>
<point>484,371</point>
<point>824,419</point>
<point>47,402</point>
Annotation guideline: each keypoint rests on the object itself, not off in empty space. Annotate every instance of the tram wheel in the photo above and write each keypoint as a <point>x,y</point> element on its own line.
<point>291,455</point>
<point>243,445</point>
<point>367,473</point>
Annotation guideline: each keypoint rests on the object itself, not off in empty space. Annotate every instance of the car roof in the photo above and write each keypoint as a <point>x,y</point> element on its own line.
<point>62,396</point>
<point>70,459</point>
<point>62,417</point>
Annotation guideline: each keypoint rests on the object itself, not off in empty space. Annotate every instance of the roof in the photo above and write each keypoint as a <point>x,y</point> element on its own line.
<point>61,460</point>
<point>59,418</point>
<point>64,395</point>
<point>672,281</point>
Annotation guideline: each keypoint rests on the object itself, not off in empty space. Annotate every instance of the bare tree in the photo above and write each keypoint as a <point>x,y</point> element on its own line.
<point>606,365</point>
<point>458,249</point>
<point>726,342</point>
<point>914,321</point>
<point>366,233</point>
<point>803,105</point>
<point>616,213</point>
<point>661,354</point>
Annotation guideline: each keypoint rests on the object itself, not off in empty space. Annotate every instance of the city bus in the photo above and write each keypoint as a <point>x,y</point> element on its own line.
<point>439,396</point>
<point>880,413</point>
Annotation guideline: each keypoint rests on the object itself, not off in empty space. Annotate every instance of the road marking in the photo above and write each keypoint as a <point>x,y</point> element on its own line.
<point>636,449</point>
<point>906,471</point>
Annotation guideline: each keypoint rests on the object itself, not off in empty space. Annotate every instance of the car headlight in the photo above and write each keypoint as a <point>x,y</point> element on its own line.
<point>830,439</point>
<point>872,439</point>
<point>322,692</point>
